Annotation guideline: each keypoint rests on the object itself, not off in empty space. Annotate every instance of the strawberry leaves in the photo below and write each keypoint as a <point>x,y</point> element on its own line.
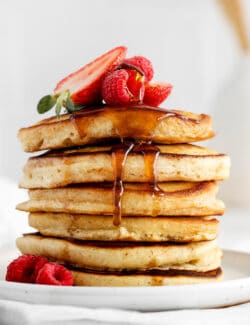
<point>71,107</point>
<point>61,100</point>
<point>69,104</point>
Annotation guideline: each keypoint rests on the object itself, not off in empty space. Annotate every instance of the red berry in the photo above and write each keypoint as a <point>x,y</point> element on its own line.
<point>143,64</point>
<point>85,84</point>
<point>54,274</point>
<point>25,268</point>
<point>122,87</point>
<point>156,93</point>
<point>40,263</point>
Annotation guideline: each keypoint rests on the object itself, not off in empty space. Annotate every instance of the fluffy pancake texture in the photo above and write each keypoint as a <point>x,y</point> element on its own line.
<point>108,256</point>
<point>87,227</point>
<point>122,199</point>
<point>148,123</point>
<point>175,199</point>
<point>183,162</point>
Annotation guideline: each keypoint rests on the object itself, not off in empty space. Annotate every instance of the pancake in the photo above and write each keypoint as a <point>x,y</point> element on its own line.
<point>183,162</point>
<point>173,199</point>
<point>134,122</point>
<point>86,227</point>
<point>86,278</point>
<point>117,256</point>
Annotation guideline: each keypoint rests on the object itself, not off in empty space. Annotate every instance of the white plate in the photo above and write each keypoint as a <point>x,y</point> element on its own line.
<point>234,289</point>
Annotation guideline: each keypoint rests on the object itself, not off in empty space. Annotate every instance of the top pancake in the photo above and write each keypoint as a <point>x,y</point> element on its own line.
<point>97,124</point>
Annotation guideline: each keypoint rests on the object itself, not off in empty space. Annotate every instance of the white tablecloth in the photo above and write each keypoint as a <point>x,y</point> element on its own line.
<point>235,234</point>
<point>12,313</point>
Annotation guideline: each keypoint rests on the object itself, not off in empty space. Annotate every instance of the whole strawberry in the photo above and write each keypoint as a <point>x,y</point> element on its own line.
<point>25,268</point>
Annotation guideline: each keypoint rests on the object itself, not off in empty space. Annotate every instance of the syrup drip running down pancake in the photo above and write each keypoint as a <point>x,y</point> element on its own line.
<point>174,199</point>
<point>90,164</point>
<point>119,156</point>
<point>120,162</point>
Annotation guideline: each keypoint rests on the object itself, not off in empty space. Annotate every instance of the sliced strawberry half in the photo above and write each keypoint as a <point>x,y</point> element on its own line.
<point>85,84</point>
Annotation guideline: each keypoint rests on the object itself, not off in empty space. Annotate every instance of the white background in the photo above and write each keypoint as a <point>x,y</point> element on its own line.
<point>190,43</point>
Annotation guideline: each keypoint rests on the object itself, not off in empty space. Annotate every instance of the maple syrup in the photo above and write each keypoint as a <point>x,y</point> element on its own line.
<point>135,130</point>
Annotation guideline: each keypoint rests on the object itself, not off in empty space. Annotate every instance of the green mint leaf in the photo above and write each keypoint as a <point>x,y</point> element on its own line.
<point>46,103</point>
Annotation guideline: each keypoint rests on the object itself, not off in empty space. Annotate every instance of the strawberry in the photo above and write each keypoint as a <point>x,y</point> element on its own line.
<point>111,78</point>
<point>143,64</point>
<point>122,87</point>
<point>54,274</point>
<point>156,93</point>
<point>25,268</point>
<point>85,84</point>
<point>83,87</point>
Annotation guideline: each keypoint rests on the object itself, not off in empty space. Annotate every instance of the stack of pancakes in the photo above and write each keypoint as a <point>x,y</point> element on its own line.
<point>122,199</point>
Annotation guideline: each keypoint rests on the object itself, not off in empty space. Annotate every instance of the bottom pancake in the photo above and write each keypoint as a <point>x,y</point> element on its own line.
<point>146,278</point>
